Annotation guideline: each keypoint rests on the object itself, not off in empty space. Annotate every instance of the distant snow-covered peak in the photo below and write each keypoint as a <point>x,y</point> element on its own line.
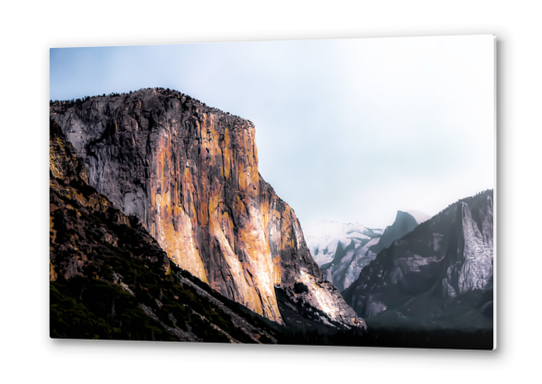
<point>323,238</point>
<point>332,228</point>
<point>341,250</point>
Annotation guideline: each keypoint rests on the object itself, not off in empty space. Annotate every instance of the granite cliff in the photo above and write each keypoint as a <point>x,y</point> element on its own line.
<point>110,279</point>
<point>188,174</point>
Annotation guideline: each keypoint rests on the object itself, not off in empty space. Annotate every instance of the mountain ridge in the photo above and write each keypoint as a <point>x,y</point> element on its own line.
<point>440,275</point>
<point>342,250</point>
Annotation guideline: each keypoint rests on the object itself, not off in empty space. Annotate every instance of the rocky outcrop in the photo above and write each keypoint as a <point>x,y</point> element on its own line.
<point>189,174</point>
<point>439,275</point>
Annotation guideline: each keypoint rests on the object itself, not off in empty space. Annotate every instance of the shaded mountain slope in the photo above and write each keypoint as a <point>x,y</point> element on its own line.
<point>403,224</point>
<point>440,275</point>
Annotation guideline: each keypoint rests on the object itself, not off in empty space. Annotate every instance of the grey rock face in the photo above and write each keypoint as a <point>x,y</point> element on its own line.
<point>438,275</point>
<point>472,267</point>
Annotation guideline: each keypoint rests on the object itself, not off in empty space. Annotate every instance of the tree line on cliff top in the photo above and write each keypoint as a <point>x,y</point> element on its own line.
<point>170,93</point>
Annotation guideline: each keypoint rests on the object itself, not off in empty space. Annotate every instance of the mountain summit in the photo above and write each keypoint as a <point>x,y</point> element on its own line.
<point>403,224</point>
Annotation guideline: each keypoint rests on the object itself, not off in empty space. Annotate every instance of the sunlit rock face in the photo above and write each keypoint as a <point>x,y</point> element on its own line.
<point>438,275</point>
<point>110,279</point>
<point>189,173</point>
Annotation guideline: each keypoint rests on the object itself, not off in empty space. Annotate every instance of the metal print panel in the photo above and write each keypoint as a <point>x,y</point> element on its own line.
<point>318,192</point>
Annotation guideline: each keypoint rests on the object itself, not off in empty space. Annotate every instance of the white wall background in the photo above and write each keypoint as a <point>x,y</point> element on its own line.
<point>29,30</point>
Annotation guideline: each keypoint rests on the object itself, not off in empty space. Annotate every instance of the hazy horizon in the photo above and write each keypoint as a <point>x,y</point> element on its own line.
<point>350,130</point>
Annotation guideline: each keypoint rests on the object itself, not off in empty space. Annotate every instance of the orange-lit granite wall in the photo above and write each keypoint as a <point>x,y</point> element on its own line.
<point>190,174</point>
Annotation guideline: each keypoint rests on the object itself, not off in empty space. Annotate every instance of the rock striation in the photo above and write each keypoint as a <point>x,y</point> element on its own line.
<point>439,275</point>
<point>189,174</point>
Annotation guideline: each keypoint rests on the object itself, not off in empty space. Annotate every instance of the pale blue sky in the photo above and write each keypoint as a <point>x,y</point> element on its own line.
<point>348,130</point>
